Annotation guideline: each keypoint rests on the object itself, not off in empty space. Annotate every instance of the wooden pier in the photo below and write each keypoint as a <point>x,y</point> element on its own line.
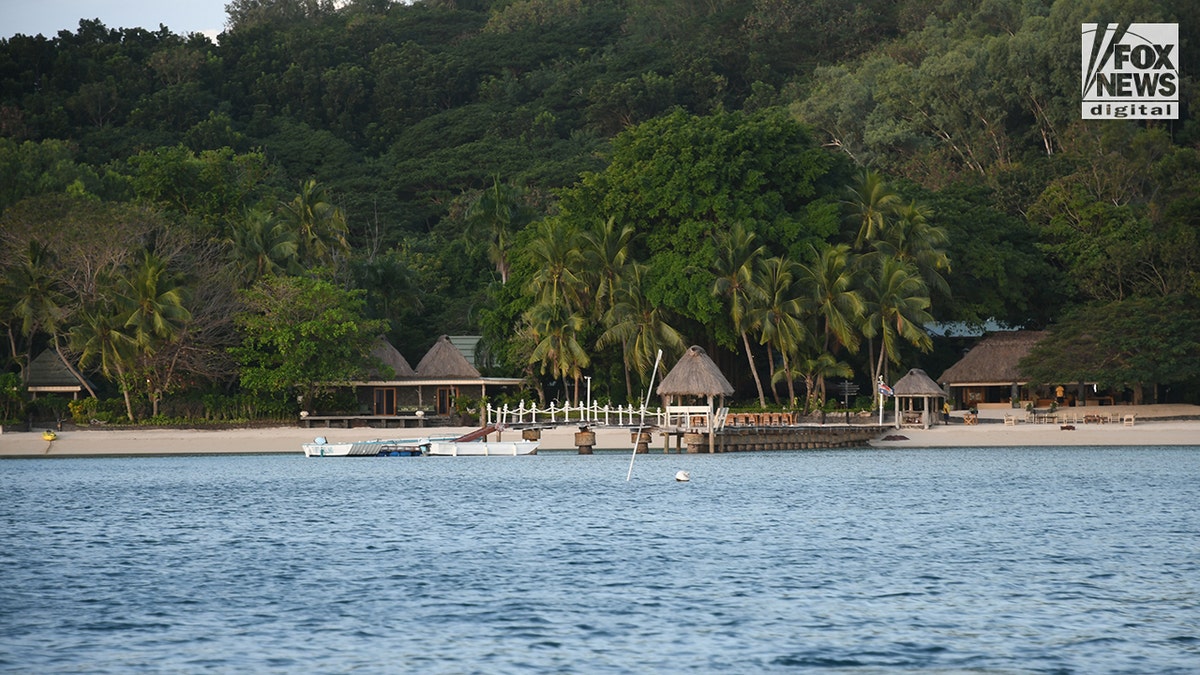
<point>750,439</point>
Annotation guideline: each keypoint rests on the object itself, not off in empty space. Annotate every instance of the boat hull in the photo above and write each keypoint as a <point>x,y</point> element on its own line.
<point>374,448</point>
<point>482,448</point>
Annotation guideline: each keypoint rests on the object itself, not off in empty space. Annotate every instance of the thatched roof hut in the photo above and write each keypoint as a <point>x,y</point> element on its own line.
<point>913,386</point>
<point>916,383</point>
<point>443,360</point>
<point>392,358</point>
<point>695,375</point>
<point>994,360</point>
<point>49,375</point>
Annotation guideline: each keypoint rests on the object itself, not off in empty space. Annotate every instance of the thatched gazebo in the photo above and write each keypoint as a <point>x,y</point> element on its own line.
<point>695,375</point>
<point>916,385</point>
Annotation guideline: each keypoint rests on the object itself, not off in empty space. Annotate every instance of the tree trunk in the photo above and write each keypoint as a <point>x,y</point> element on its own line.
<point>871,360</point>
<point>628,378</point>
<point>762,398</point>
<point>787,369</point>
<point>770,363</point>
<point>74,372</point>
<point>125,391</point>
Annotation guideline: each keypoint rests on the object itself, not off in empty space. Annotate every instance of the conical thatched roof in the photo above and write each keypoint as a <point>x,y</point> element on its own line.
<point>444,360</point>
<point>994,360</point>
<point>47,370</point>
<point>917,383</point>
<point>695,375</point>
<point>392,358</point>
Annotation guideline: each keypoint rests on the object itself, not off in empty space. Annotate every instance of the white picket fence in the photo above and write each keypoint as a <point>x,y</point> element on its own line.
<point>596,414</point>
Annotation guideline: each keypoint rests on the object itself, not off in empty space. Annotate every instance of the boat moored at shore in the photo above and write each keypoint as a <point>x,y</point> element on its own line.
<point>472,444</point>
<point>320,447</point>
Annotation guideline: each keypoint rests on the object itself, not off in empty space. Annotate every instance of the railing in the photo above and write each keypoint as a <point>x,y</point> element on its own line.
<point>596,414</point>
<point>676,417</point>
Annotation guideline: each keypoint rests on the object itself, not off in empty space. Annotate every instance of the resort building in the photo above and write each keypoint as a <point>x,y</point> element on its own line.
<point>400,395</point>
<point>989,376</point>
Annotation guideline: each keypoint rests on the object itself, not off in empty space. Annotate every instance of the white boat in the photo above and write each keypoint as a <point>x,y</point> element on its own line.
<point>450,448</point>
<point>380,447</point>
<point>472,444</point>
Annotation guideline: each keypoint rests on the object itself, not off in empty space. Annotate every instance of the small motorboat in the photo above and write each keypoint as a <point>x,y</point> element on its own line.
<point>321,447</point>
<point>471,444</point>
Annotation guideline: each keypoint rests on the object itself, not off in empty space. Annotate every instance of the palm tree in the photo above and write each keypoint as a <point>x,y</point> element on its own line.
<point>780,314</point>
<point>833,296</point>
<point>735,269</point>
<point>320,225</point>
<point>556,254</point>
<point>262,244</point>
<point>897,309</point>
<point>36,296</point>
<point>150,300</point>
<point>869,202</point>
<point>910,236</point>
<point>494,216</point>
<point>816,369</point>
<point>99,339</point>
<point>606,261</point>
<point>555,330</point>
<point>35,299</point>
<point>833,299</point>
<point>640,326</point>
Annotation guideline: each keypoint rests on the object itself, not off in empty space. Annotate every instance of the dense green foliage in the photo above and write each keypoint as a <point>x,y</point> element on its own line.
<point>303,333</point>
<point>799,187</point>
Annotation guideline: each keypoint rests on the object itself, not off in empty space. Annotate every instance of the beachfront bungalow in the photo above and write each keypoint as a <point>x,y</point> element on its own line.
<point>400,395</point>
<point>989,376</point>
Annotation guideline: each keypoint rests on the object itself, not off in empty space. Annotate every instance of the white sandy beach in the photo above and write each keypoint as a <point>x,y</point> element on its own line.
<point>1155,426</point>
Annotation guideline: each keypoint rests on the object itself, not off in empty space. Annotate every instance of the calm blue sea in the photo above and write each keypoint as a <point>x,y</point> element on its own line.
<point>1044,560</point>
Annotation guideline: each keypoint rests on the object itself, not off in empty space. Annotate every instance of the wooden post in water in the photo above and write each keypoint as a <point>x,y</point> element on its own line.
<point>694,442</point>
<point>641,439</point>
<point>585,440</point>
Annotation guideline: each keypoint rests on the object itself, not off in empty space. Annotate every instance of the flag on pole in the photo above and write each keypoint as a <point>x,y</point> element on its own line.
<point>886,390</point>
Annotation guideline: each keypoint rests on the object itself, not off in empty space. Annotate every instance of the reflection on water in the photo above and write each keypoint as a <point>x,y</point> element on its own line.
<point>993,560</point>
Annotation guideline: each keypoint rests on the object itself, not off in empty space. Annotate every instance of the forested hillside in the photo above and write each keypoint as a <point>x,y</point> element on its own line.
<point>803,188</point>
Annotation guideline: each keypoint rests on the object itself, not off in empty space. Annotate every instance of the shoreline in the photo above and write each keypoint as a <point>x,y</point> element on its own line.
<point>1155,426</point>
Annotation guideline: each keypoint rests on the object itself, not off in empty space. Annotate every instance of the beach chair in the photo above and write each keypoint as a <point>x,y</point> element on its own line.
<point>1129,420</point>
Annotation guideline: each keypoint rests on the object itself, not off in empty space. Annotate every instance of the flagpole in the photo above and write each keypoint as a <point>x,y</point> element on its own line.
<point>638,436</point>
<point>879,391</point>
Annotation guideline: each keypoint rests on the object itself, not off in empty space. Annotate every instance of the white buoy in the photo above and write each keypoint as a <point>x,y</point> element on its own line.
<point>683,476</point>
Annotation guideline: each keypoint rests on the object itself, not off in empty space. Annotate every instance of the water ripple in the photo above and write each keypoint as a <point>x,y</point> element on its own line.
<point>1001,560</point>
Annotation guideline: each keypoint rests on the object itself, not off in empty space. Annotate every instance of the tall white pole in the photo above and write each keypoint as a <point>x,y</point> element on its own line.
<point>879,393</point>
<point>638,436</point>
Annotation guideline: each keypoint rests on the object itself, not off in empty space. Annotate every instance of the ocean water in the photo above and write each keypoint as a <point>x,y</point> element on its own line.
<point>997,560</point>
